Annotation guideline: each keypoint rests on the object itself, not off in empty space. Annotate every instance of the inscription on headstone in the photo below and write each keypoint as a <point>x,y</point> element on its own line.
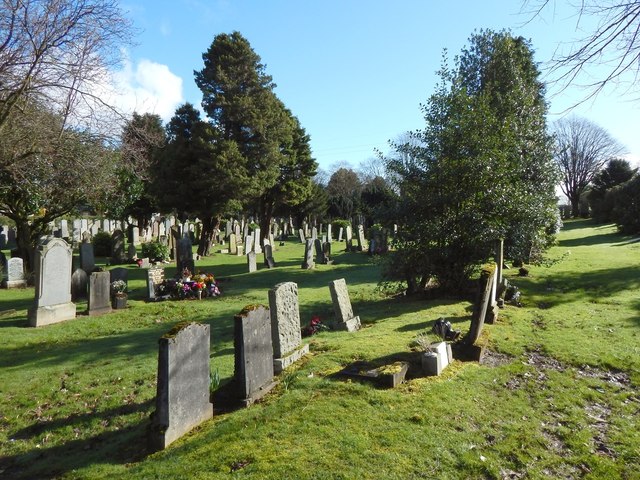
<point>285,325</point>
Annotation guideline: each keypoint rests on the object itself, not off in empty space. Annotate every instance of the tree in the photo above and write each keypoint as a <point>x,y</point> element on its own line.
<point>239,100</point>
<point>614,44</point>
<point>625,199</point>
<point>616,172</point>
<point>480,170</point>
<point>343,190</point>
<point>582,148</point>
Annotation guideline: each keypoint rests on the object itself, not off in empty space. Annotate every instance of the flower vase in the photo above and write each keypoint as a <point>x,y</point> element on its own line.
<point>199,294</point>
<point>118,302</point>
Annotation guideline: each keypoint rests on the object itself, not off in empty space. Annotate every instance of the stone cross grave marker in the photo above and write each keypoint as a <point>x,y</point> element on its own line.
<point>52,304</point>
<point>285,325</point>
<point>99,294</point>
<point>345,320</point>
<point>182,399</point>
<point>308,262</point>
<point>15,273</point>
<point>253,353</point>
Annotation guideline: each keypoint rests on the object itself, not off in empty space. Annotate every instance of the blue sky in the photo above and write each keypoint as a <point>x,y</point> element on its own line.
<point>354,72</point>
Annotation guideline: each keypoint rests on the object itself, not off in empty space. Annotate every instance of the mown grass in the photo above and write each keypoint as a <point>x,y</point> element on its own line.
<point>557,399</point>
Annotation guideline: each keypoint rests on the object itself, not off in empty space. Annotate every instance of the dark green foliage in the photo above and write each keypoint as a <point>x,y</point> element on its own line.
<point>101,244</point>
<point>155,251</point>
<point>616,172</point>
<point>343,190</point>
<point>378,201</point>
<point>625,199</point>
<point>480,170</point>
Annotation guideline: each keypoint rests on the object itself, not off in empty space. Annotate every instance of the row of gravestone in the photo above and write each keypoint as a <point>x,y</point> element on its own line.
<point>266,341</point>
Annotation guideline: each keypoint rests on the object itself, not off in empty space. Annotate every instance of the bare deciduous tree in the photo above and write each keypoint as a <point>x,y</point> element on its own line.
<point>582,148</point>
<point>615,45</point>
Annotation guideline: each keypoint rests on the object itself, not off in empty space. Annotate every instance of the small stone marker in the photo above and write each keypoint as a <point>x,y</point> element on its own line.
<point>251,262</point>
<point>87,259</point>
<point>79,284</point>
<point>15,273</point>
<point>182,399</point>
<point>268,256</point>
<point>253,353</point>
<point>99,294</point>
<point>437,360</point>
<point>155,277</point>
<point>285,325</point>
<point>53,304</point>
<point>308,262</point>
<point>345,320</point>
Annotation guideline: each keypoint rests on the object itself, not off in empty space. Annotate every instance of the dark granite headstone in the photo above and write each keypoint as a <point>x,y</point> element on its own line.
<point>79,284</point>
<point>268,256</point>
<point>117,247</point>
<point>87,258</point>
<point>182,400</point>
<point>119,273</point>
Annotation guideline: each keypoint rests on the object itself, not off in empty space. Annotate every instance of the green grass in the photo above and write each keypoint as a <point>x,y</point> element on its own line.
<point>559,401</point>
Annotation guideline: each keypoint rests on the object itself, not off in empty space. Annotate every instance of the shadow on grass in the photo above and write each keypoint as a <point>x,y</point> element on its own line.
<point>114,446</point>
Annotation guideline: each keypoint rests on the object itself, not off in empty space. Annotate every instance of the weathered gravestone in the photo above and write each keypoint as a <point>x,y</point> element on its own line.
<point>182,399</point>
<point>340,232</point>
<point>184,253</point>
<point>117,247</point>
<point>251,262</point>
<point>301,235</point>
<point>99,294</point>
<point>326,253</point>
<point>64,229</point>
<point>155,277</point>
<point>360,238</point>
<point>233,245</point>
<point>87,259</point>
<point>308,262</point>
<point>79,284</point>
<point>329,234</point>
<point>317,243</point>
<point>53,259</point>
<point>174,238</point>
<point>86,236</point>
<point>3,236</point>
<point>248,244</point>
<point>94,229</point>
<point>349,239</point>
<point>314,234</point>
<point>285,326</point>
<point>15,273</point>
<point>253,353</point>
<point>256,241</point>
<point>345,320</point>
<point>268,256</point>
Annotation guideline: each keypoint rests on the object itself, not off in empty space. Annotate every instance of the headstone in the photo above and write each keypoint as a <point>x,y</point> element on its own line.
<point>251,262</point>
<point>86,236</point>
<point>84,225</point>
<point>155,277</point>
<point>253,353</point>
<point>99,294</point>
<point>145,263</point>
<point>314,234</point>
<point>285,326</point>
<point>53,259</point>
<point>340,234</point>
<point>64,229</point>
<point>132,253</point>
<point>15,273</point>
<point>360,238</point>
<point>94,229</point>
<point>182,399</point>
<point>119,273</point>
<point>174,238</point>
<point>499,261</point>
<point>345,320</point>
<point>135,235</point>
<point>3,268</point>
<point>349,239</point>
<point>256,241</point>
<point>79,284</point>
<point>319,253</point>
<point>326,253</point>
<point>228,228</point>
<point>106,225</point>
<point>11,237</point>
<point>184,257</point>
<point>301,234</point>
<point>329,234</point>
<point>269,262</point>
<point>87,260</point>
<point>233,245</point>
<point>308,262</point>
<point>248,243</point>
<point>3,237</point>
<point>117,247</point>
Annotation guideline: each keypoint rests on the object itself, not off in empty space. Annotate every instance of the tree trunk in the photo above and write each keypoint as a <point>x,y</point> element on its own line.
<point>209,224</point>
<point>575,205</point>
<point>25,244</point>
<point>265,220</point>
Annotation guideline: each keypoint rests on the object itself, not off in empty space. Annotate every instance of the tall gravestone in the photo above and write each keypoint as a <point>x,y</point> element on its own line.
<point>15,273</point>
<point>182,399</point>
<point>253,357</point>
<point>301,235</point>
<point>345,320</point>
<point>308,262</point>
<point>117,247</point>
<point>269,262</point>
<point>360,238</point>
<point>248,244</point>
<point>99,294</point>
<point>155,277</point>
<point>185,255</point>
<point>53,259</point>
<point>79,284</point>
<point>87,259</point>
<point>329,234</point>
<point>251,262</point>
<point>64,229</point>
<point>256,241</point>
<point>340,232</point>
<point>233,245</point>
<point>285,326</point>
<point>349,239</point>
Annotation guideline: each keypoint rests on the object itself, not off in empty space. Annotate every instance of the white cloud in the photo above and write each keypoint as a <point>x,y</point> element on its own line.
<point>147,87</point>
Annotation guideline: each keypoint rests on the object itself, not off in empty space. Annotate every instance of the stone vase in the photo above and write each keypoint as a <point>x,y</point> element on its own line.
<point>118,302</point>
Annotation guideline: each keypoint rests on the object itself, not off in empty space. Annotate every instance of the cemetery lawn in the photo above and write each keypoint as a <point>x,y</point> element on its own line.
<point>555,398</point>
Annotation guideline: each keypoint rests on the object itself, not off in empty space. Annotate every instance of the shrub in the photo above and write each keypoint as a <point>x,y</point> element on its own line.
<point>155,251</point>
<point>102,244</point>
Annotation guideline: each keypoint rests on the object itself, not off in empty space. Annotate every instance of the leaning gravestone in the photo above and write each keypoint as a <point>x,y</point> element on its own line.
<point>182,399</point>
<point>248,244</point>
<point>87,259</point>
<point>15,273</point>
<point>53,304</point>
<point>345,320</point>
<point>340,234</point>
<point>99,294</point>
<point>326,253</point>
<point>285,326</point>
<point>308,262</point>
<point>318,246</point>
<point>117,247</point>
<point>79,284</point>
<point>253,353</point>
<point>268,256</point>
<point>349,239</point>
<point>251,262</point>
<point>301,234</point>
